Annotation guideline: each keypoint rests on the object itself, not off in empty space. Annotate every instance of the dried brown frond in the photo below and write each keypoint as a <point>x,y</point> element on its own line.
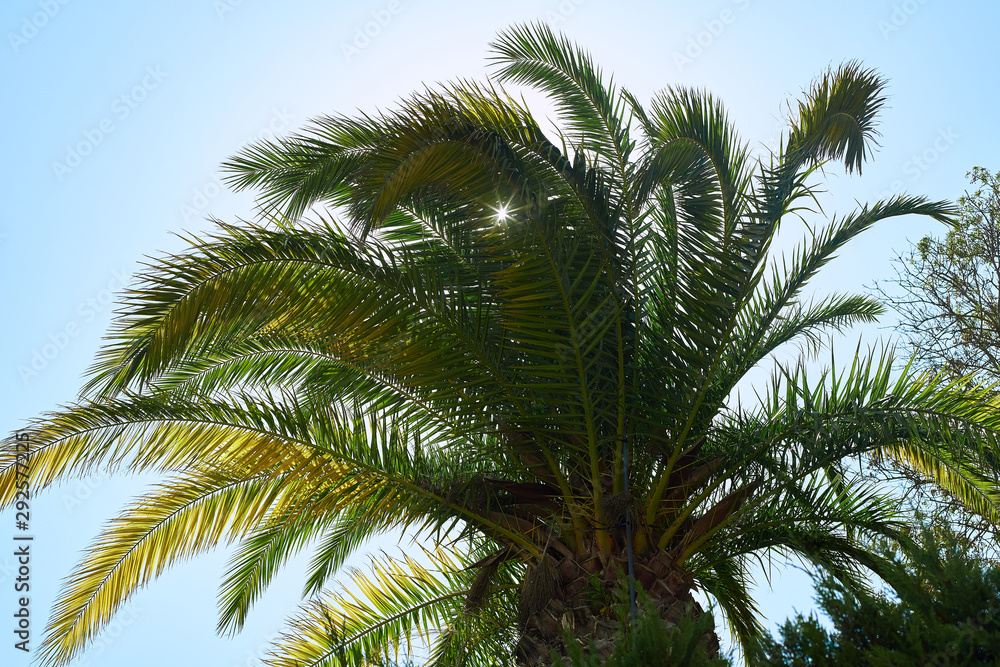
<point>539,587</point>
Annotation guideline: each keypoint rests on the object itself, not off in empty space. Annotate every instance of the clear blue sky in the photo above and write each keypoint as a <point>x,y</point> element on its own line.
<point>117,115</point>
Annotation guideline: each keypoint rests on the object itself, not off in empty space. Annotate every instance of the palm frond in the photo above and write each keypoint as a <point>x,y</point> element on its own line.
<point>184,517</point>
<point>391,608</point>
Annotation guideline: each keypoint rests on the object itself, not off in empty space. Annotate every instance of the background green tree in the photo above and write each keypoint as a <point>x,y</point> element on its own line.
<point>948,296</point>
<point>943,610</point>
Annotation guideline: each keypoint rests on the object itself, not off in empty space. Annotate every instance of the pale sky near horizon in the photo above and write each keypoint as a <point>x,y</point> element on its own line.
<point>118,115</point>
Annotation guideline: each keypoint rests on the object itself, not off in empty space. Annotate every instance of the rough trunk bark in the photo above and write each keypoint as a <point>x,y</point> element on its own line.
<point>576,595</point>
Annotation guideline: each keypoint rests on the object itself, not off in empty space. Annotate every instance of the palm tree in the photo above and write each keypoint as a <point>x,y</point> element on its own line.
<point>520,351</point>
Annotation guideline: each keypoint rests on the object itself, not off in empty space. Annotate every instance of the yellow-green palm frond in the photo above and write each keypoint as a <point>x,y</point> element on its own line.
<point>369,481</point>
<point>258,559</point>
<point>377,615</point>
<point>148,434</point>
<point>342,513</point>
<point>183,517</point>
<point>959,473</point>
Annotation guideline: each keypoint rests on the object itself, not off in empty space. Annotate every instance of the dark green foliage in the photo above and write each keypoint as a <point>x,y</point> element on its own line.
<point>947,613</point>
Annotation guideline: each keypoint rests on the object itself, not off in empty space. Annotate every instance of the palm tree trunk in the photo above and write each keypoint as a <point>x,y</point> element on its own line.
<point>577,598</point>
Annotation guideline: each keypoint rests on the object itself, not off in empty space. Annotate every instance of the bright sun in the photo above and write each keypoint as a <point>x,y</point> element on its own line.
<point>502,213</point>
